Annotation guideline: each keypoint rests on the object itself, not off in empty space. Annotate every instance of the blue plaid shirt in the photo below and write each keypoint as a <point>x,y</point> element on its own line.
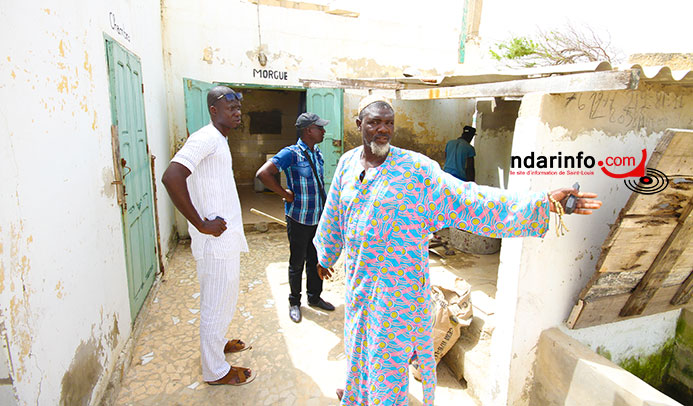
<point>307,206</point>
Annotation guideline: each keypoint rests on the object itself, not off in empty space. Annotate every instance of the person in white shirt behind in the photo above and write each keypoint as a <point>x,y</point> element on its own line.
<point>201,185</point>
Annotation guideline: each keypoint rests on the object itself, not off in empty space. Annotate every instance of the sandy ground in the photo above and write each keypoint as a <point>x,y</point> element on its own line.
<point>297,364</point>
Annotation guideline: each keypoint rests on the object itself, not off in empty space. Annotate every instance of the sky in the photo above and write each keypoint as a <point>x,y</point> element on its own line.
<point>635,26</point>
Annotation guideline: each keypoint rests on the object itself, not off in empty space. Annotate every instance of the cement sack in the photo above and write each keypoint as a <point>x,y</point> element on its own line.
<point>452,309</point>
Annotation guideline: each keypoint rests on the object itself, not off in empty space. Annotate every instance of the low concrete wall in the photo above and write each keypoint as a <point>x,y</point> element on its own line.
<point>679,379</point>
<point>568,373</point>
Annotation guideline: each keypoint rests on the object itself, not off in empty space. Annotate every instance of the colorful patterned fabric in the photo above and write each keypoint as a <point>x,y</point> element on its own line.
<point>306,207</point>
<point>382,224</point>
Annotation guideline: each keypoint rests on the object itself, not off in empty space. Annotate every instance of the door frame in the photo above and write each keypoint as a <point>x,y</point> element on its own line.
<point>303,106</point>
<point>135,305</point>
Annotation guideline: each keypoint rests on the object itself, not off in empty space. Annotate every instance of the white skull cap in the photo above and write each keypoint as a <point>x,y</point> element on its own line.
<point>370,99</point>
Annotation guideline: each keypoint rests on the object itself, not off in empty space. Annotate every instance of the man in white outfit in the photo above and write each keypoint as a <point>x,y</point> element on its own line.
<point>200,182</point>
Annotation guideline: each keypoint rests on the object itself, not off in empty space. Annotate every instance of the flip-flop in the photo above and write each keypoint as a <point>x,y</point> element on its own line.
<point>236,342</point>
<point>235,372</point>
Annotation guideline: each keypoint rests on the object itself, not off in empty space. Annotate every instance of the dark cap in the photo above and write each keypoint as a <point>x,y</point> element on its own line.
<point>468,130</point>
<point>307,119</point>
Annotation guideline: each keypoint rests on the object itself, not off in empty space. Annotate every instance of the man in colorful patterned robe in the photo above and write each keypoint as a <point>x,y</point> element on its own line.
<point>383,203</point>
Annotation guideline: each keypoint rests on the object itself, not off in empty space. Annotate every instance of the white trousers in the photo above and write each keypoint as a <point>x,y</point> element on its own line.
<point>219,280</point>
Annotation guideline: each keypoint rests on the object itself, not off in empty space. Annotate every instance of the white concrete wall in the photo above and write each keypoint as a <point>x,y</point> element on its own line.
<point>495,124</point>
<point>569,373</point>
<point>645,336</point>
<point>63,286</point>
<point>219,42</point>
<point>632,26</point>
<point>539,279</point>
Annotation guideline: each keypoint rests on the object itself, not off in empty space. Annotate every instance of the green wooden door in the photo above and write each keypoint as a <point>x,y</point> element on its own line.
<point>196,112</point>
<point>328,104</point>
<point>127,112</point>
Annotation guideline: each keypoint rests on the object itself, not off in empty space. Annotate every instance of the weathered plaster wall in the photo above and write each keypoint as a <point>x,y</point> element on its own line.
<point>63,286</point>
<point>220,42</point>
<point>679,379</point>
<point>493,141</point>
<point>651,332</point>
<point>382,41</point>
<point>422,126</point>
<point>539,292</point>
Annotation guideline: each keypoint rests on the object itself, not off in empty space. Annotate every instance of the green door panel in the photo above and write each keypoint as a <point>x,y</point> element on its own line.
<point>196,112</point>
<point>328,104</point>
<point>127,112</point>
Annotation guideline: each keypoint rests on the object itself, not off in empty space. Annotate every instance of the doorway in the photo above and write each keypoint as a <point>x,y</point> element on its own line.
<point>268,125</point>
<point>134,164</point>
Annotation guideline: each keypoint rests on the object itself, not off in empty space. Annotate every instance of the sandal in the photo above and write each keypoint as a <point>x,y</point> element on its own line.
<point>234,346</point>
<point>235,377</point>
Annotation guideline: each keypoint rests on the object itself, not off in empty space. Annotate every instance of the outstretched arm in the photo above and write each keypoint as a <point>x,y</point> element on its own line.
<point>174,179</point>
<point>494,212</point>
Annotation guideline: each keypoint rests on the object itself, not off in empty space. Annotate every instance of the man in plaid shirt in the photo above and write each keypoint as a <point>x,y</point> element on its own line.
<point>305,198</point>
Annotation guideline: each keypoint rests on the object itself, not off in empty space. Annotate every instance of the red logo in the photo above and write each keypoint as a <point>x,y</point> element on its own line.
<point>638,171</point>
<point>649,181</point>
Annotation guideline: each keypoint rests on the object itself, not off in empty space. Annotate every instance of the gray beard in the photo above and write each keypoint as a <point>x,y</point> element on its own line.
<point>379,150</point>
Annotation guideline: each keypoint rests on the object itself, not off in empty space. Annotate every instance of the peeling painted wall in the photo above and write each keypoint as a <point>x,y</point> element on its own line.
<point>493,141</point>
<point>299,44</point>
<point>63,286</point>
<point>533,296</point>
<point>422,126</point>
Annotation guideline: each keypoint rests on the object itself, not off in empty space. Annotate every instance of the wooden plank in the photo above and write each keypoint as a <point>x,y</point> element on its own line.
<point>575,314</point>
<point>683,295</point>
<point>677,242</point>
<point>581,82</point>
<point>606,309</point>
<point>668,203</point>
<point>616,283</point>
<point>635,243</point>
<point>613,283</point>
<point>653,162</point>
<point>685,264</point>
<point>677,157</point>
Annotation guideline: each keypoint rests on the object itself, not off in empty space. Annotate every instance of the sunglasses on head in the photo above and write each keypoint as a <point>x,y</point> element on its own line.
<point>230,96</point>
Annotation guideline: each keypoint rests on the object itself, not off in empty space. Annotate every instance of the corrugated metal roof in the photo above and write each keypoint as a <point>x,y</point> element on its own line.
<point>661,74</point>
<point>665,74</point>
<point>585,77</point>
